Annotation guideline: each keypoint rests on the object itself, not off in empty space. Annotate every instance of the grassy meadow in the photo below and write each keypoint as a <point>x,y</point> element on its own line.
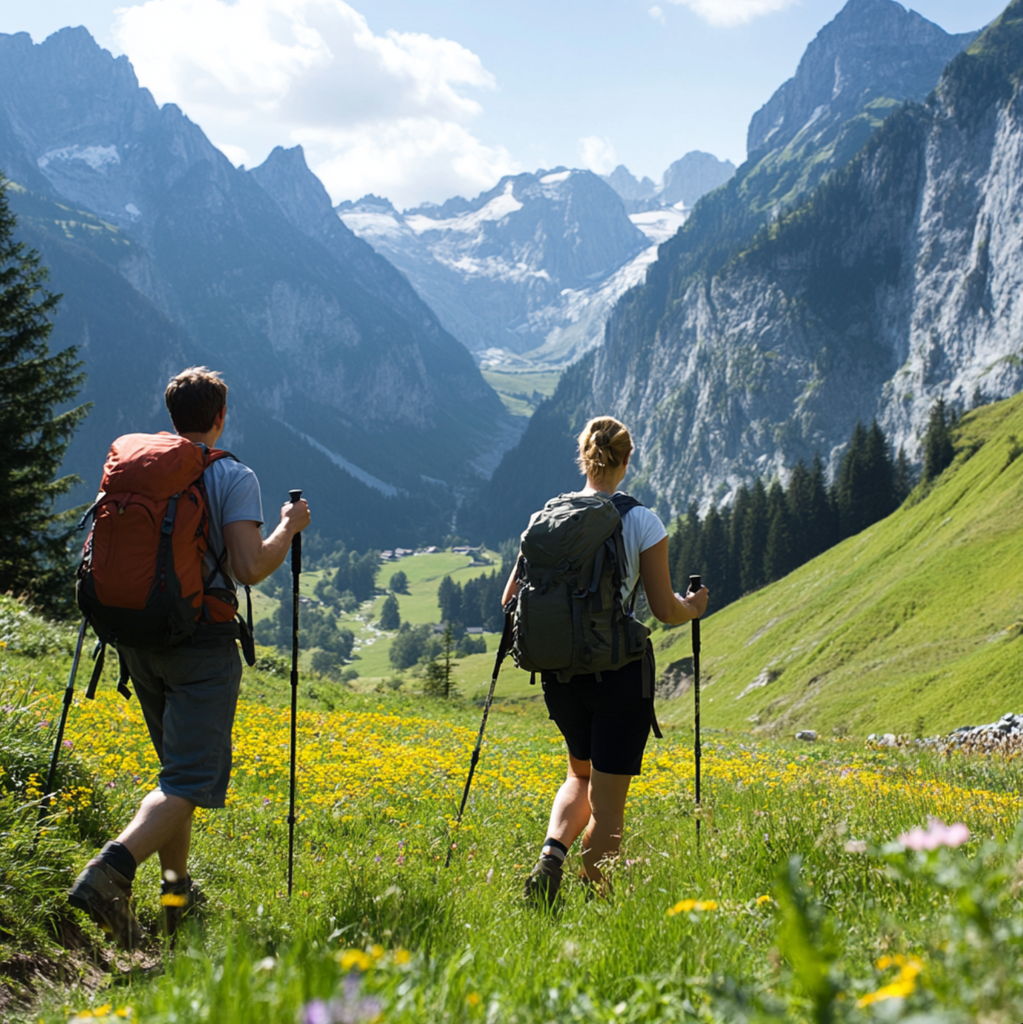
<point>912,626</point>
<point>521,392</point>
<point>819,886</point>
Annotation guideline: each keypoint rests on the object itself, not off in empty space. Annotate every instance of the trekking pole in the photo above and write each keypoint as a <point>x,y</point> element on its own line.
<point>68,694</point>
<point>296,571</point>
<point>502,651</point>
<point>694,586</point>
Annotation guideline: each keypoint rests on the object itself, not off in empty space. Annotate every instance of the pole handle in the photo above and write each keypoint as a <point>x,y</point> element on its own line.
<point>694,584</point>
<point>294,496</point>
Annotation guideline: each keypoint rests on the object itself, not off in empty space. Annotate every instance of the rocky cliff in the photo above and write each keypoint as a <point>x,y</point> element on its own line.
<point>336,365</point>
<point>892,283</point>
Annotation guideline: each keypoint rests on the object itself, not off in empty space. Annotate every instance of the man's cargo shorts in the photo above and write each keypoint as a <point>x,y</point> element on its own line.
<point>188,696</point>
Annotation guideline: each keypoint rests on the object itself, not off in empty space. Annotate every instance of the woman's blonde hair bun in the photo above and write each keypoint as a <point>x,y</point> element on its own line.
<point>604,444</point>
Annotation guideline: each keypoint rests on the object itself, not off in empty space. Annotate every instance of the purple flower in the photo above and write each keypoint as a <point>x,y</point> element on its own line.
<point>266,801</point>
<point>401,845</point>
<point>400,860</point>
<point>936,834</point>
<point>317,1012</point>
<point>68,745</point>
<point>110,785</point>
<point>377,859</point>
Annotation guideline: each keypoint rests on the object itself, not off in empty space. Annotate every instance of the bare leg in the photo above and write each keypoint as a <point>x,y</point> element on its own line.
<point>571,809</point>
<point>163,823</point>
<point>603,835</point>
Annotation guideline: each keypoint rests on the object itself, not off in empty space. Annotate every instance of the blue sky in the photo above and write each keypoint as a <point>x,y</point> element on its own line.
<point>422,99</point>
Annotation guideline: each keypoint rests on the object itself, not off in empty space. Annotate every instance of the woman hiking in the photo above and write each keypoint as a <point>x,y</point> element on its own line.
<point>605,717</point>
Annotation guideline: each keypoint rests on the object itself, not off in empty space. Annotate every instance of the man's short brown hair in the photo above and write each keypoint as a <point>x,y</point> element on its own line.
<point>194,397</point>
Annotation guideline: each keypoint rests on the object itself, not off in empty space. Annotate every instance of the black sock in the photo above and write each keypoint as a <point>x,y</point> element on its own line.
<point>119,857</point>
<point>553,848</point>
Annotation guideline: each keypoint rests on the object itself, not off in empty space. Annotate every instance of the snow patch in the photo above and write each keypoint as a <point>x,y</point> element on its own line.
<point>660,225</point>
<point>133,211</point>
<point>373,225</point>
<point>97,157</point>
<point>469,223</point>
<point>553,179</point>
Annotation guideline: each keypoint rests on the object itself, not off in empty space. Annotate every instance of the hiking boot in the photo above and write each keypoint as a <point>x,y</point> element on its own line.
<point>180,899</point>
<point>544,881</point>
<point>105,895</point>
<point>601,890</point>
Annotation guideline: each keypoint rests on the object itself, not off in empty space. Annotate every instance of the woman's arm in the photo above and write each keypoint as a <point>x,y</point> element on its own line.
<point>666,605</point>
<point>511,588</point>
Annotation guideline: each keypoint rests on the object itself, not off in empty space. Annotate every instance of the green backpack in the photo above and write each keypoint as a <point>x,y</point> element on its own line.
<point>569,617</point>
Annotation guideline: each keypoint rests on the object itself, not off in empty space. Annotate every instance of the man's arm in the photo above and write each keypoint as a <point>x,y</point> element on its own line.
<point>252,557</point>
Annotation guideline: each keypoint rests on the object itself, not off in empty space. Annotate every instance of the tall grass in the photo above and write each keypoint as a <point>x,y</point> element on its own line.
<point>773,916</point>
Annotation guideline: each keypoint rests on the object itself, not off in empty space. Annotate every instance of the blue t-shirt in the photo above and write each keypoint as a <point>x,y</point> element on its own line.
<point>232,496</point>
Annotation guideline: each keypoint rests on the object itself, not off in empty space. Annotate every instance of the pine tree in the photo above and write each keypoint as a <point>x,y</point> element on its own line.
<point>437,677</point>
<point>737,527</point>
<point>939,451</point>
<point>823,514</point>
<point>449,600</point>
<point>778,557</point>
<point>713,551</point>
<point>799,498</point>
<point>903,476</point>
<point>881,472</point>
<point>35,559</point>
<point>850,485</point>
<point>684,559</point>
<point>754,539</point>
<point>390,617</point>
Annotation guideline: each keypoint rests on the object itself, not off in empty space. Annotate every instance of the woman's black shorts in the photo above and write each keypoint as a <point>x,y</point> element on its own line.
<point>604,722</point>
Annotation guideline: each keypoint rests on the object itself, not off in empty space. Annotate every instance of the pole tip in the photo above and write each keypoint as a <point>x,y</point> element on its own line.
<point>295,495</point>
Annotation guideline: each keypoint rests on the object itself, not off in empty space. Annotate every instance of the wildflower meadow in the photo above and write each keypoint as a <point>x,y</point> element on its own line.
<point>828,883</point>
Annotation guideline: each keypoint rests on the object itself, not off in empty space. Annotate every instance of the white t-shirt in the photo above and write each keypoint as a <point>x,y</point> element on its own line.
<point>641,529</point>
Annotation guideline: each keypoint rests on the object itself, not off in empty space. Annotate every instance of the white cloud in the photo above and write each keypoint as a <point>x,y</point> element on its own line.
<point>382,113</point>
<point>725,13</point>
<point>598,154</point>
<point>657,14</point>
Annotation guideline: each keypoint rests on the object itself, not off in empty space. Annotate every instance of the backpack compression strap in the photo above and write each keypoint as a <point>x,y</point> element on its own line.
<point>625,503</point>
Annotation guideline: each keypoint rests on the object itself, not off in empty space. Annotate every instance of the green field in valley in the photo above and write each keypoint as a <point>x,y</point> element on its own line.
<point>521,393</point>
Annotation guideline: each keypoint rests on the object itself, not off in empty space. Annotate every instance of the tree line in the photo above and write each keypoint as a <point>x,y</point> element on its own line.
<point>770,530</point>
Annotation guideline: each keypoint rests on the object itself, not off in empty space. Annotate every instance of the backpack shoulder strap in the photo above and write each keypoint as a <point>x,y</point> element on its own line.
<point>213,454</point>
<point>625,503</point>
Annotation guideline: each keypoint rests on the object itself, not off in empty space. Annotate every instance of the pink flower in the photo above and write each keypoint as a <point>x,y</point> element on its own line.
<point>936,834</point>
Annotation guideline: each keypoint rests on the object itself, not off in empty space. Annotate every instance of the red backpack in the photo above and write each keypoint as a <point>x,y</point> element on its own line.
<point>141,582</point>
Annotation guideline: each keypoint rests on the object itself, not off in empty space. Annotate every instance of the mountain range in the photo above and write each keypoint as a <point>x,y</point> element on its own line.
<point>862,263</point>
<point>166,254</point>
<point>526,273</point>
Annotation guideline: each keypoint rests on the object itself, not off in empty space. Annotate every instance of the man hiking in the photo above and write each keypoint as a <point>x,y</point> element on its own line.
<point>188,692</point>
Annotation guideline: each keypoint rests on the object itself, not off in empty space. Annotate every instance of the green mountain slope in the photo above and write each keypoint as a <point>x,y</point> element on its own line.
<point>917,618</point>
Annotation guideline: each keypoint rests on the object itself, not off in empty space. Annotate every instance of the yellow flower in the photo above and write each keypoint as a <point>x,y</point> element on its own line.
<point>761,900</point>
<point>902,986</point>
<point>402,956</point>
<point>684,906</point>
<point>473,998</point>
<point>354,958</point>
